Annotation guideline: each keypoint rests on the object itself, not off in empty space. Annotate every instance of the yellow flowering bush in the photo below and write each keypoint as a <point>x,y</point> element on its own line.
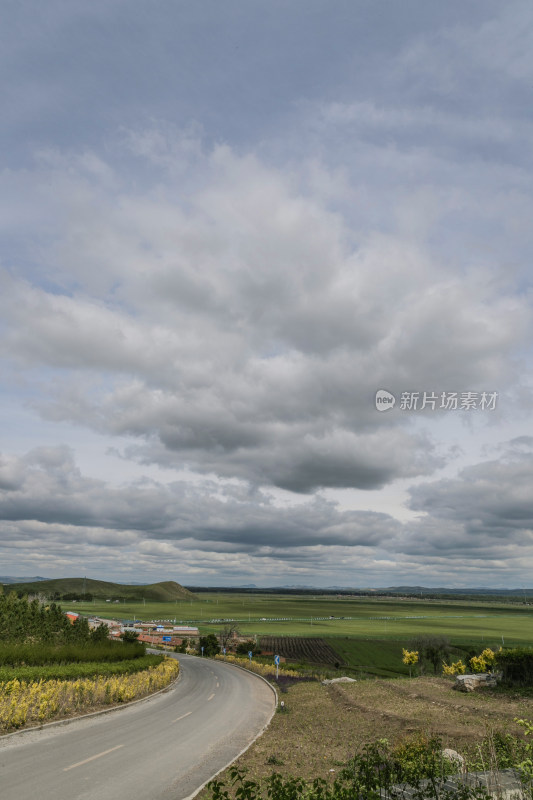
<point>483,662</point>
<point>256,666</point>
<point>457,668</point>
<point>23,703</point>
<point>410,657</point>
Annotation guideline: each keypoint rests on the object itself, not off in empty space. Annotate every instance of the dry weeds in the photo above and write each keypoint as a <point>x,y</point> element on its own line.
<point>323,726</point>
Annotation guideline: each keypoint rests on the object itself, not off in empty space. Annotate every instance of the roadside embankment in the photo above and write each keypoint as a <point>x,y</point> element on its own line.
<point>28,703</point>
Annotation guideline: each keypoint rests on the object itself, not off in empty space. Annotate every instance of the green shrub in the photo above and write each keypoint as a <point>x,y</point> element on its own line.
<point>431,650</point>
<point>516,665</point>
<point>78,670</point>
<point>421,757</point>
<point>209,644</point>
<point>243,648</point>
<point>370,775</point>
<point>380,771</point>
<point>130,636</point>
<point>41,654</point>
<point>497,751</point>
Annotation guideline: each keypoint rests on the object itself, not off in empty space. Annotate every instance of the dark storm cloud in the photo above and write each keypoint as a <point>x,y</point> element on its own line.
<point>482,519</point>
<point>50,490</point>
<point>480,522</point>
<point>492,499</point>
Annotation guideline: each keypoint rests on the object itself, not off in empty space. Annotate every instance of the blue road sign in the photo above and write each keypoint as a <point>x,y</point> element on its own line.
<point>250,654</point>
<point>276,660</point>
<point>166,638</point>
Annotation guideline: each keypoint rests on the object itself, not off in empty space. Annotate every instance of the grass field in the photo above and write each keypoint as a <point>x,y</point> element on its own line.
<point>469,623</point>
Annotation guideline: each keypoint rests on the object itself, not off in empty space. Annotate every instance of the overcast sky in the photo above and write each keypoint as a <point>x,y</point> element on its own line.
<point>226,225</point>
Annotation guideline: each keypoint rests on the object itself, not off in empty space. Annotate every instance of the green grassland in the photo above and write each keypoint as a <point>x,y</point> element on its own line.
<point>367,633</point>
<point>380,657</point>
<point>464,623</point>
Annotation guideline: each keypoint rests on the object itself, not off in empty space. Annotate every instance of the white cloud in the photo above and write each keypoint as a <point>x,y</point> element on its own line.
<point>237,332</point>
<point>213,257</point>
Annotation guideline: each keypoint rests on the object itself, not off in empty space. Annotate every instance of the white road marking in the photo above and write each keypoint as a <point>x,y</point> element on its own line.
<point>98,755</point>
<point>182,716</point>
<point>218,685</point>
<point>210,697</point>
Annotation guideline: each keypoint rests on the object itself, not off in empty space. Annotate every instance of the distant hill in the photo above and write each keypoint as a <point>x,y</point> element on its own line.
<point>412,592</point>
<point>20,579</point>
<point>443,590</point>
<point>164,592</point>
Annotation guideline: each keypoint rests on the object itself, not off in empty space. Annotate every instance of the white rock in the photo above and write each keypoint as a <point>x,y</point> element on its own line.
<point>452,755</point>
<point>469,683</point>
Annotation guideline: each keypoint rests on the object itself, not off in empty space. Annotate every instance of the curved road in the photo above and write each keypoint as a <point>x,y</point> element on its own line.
<point>163,748</point>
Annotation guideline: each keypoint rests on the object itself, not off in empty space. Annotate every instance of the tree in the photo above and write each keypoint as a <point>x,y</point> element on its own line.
<point>100,634</point>
<point>182,648</point>
<point>25,621</point>
<point>210,645</point>
<point>431,649</point>
<point>79,631</point>
<point>248,647</point>
<point>410,657</point>
<point>227,634</point>
<point>129,636</point>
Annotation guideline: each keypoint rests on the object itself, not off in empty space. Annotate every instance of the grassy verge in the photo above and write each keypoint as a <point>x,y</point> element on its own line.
<point>260,667</point>
<point>323,727</point>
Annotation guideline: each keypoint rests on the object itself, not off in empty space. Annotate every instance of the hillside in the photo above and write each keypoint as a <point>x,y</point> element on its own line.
<point>166,591</point>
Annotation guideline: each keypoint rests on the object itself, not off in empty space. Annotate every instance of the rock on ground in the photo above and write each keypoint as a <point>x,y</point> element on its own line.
<point>453,755</point>
<point>469,683</point>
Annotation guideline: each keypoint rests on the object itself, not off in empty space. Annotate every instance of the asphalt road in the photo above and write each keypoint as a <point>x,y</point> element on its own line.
<point>163,748</point>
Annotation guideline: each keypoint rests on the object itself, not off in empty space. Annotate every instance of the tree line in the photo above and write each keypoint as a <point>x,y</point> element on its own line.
<point>25,621</point>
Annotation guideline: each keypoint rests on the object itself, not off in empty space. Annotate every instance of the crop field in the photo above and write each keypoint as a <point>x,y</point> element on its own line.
<point>377,657</point>
<point>299,648</point>
<point>356,657</point>
<point>371,656</point>
<point>473,623</point>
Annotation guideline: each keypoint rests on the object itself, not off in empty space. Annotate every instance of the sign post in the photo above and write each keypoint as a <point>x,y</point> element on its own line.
<point>250,654</point>
<point>202,650</point>
<point>276,662</point>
